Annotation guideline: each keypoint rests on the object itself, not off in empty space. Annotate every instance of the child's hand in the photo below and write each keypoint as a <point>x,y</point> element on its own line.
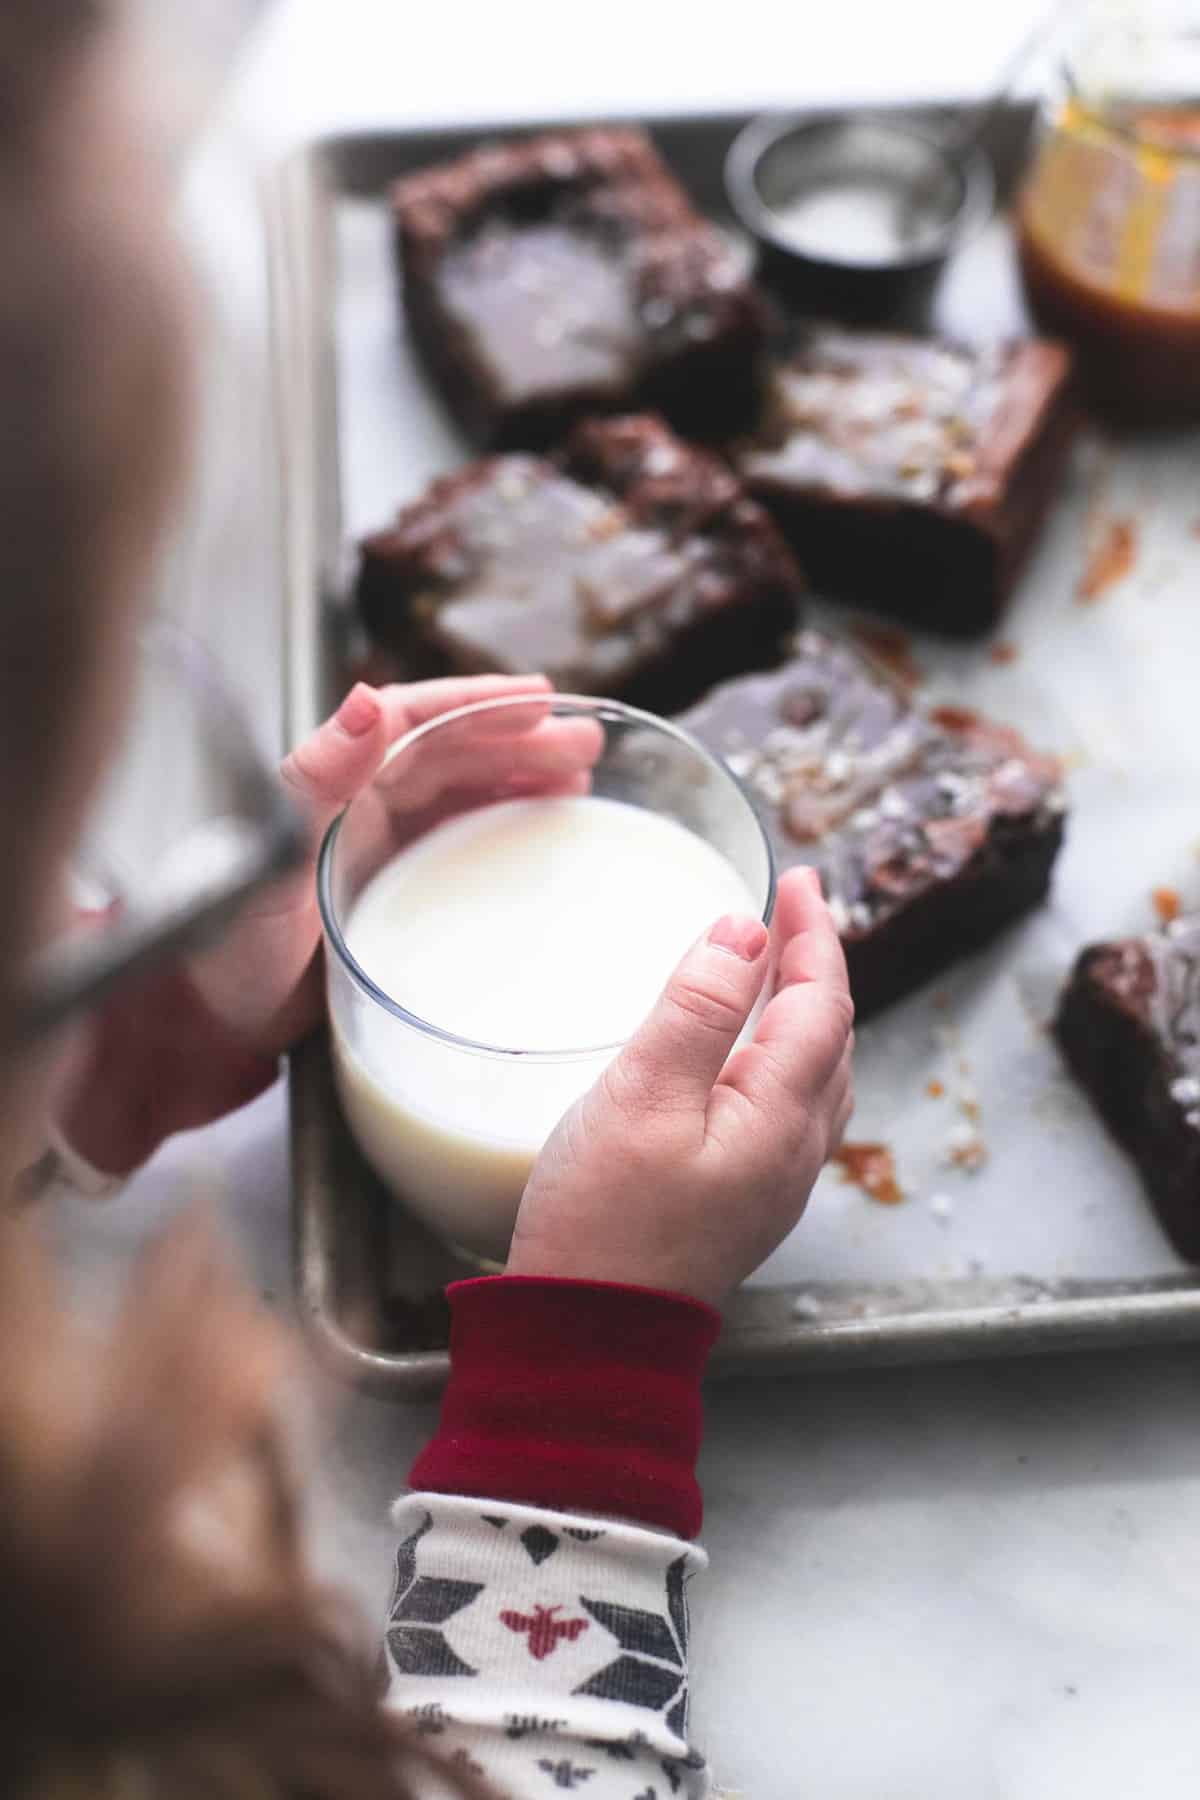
<point>189,1044</point>
<point>263,979</point>
<point>685,1166</point>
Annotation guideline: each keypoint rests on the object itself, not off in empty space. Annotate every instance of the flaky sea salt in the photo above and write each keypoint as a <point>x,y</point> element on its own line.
<point>953,787</point>
<point>512,485</point>
<point>767,781</point>
<point>965,1149</point>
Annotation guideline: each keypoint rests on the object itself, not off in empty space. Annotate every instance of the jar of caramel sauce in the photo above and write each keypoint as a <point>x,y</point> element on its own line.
<point>1108,220</point>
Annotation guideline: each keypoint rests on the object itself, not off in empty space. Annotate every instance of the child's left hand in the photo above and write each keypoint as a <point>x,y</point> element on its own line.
<point>191,1043</point>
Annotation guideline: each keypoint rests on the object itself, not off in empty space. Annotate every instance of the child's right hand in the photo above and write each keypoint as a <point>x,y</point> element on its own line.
<point>685,1166</point>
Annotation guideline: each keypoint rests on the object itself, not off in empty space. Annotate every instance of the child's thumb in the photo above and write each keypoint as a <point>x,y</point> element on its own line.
<point>684,1044</point>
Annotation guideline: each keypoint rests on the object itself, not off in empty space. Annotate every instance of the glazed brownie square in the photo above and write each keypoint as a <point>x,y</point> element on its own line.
<point>632,565</point>
<point>1128,1025</point>
<point>932,831</point>
<point>568,275</point>
<point>912,476</point>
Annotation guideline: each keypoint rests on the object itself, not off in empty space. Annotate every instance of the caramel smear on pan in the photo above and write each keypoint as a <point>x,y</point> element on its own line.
<point>871,1167</point>
<point>1111,556</point>
<point>1166,904</point>
<point>891,647</point>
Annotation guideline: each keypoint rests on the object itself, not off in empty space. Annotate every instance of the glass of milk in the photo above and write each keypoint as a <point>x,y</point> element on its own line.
<point>501,909</point>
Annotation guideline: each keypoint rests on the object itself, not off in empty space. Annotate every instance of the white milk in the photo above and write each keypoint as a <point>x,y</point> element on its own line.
<point>541,925</point>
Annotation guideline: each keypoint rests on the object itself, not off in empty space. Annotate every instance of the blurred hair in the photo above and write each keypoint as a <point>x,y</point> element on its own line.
<point>32,31</point>
<point>92,383</point>
<point>162,1638</point>
<point>160,1634</point>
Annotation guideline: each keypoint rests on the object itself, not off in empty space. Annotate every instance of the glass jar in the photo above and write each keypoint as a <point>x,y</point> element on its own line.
<point>1108,222</point>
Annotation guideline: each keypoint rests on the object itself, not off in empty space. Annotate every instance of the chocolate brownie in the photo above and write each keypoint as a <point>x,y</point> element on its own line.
<point>1129,1026</point>
<point>932,830</point>
<point>632,565</point>
<point>910,475</point>
<point>565,275</point>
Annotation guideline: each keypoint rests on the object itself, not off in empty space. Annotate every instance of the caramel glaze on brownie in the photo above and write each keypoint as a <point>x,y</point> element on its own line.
<point>932,830</point>
<point>1129,1026</point>
<point>569,274</point>
<point>633,565</point>
<point>913,476</point>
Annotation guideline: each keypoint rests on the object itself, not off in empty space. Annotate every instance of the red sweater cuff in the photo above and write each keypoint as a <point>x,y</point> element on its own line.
<point>578,1395</point>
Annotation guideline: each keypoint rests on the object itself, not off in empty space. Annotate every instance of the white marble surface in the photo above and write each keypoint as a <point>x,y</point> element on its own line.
<point>926,1584</point>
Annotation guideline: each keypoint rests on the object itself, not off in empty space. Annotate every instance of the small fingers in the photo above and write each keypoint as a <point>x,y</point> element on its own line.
<point>675,1057</point>
<point>554,749</point>
<point>807,1028</point>
<point>842,1117</point>
<point>801,1037</point>
<point>809,947</point>
<point>548,787</point>
<point>329,768</point>
<point>838,1101</point>
<point>409,704</point>
<point>807,1025</point>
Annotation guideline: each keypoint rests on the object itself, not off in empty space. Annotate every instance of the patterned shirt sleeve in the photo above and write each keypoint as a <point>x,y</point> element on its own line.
<point>545,1653</point>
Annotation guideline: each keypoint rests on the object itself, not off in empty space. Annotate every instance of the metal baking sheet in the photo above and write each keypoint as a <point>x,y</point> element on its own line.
<point>1049,1242</point>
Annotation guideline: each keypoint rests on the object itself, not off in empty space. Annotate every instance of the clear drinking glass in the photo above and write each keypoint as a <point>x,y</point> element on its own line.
<point>450,1124</point>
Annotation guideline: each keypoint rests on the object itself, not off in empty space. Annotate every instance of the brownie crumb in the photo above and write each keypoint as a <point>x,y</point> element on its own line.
<point>1111,556</point>
<point>891,647</point>
<point>872,1168</point>
<point>1166,904</point>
